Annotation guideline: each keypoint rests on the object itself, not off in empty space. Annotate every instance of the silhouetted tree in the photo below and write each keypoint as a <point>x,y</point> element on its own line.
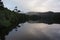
<point>1,4</point>
<point>16,9</point>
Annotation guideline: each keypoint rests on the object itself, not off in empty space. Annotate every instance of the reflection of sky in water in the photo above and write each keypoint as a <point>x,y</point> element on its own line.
<point>35,31</point>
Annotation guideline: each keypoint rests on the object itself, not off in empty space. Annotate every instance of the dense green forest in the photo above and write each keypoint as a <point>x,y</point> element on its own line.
<point>10,18</point>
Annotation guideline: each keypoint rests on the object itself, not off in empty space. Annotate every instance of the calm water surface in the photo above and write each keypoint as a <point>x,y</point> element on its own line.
<point>35,31</point>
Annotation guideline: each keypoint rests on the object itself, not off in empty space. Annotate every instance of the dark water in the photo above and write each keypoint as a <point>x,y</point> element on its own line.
<point>35,31</point>
<point>31,30</point>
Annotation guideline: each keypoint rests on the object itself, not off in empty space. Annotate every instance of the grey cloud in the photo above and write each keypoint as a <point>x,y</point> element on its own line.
<point>34,5</point>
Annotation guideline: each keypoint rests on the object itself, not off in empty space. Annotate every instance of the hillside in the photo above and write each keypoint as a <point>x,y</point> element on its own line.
<point>10,18</point>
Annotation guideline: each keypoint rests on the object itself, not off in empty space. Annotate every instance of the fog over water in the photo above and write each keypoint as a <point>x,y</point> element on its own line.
<point>35,31</point>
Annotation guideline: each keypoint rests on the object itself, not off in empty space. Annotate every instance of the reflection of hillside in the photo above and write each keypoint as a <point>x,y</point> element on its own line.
<point>30,21</point>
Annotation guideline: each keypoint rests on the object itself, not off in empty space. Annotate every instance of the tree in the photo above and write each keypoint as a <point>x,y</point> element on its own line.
<point>1,4</point>
<point>16,9</point>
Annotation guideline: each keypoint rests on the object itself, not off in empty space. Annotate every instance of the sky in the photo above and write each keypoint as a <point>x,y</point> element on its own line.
<point>33,5</point>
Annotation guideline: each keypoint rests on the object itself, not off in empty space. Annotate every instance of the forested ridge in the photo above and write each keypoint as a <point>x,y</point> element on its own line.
<point>10,18</point>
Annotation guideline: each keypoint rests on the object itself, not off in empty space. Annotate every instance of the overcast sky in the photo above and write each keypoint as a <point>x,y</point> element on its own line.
<point>33,5</point>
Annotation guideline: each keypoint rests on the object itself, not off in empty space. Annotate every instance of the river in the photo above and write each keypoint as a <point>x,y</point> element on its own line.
<point>35,31</point>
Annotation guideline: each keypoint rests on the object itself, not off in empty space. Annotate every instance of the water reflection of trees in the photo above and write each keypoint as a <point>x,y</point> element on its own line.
<point>49,19</point>
<point>5,31</point>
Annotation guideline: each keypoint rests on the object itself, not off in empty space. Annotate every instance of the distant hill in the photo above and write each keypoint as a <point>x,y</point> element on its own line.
<point>38,13</point>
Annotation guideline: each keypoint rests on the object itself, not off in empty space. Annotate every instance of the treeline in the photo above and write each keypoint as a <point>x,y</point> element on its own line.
<point>9,18</point>
<point>46,17</point>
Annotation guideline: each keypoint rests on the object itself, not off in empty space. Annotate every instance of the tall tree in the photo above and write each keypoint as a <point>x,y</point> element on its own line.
<point>1,4</point>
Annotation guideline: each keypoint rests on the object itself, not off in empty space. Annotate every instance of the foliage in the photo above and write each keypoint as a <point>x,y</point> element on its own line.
<point>10,18</point>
